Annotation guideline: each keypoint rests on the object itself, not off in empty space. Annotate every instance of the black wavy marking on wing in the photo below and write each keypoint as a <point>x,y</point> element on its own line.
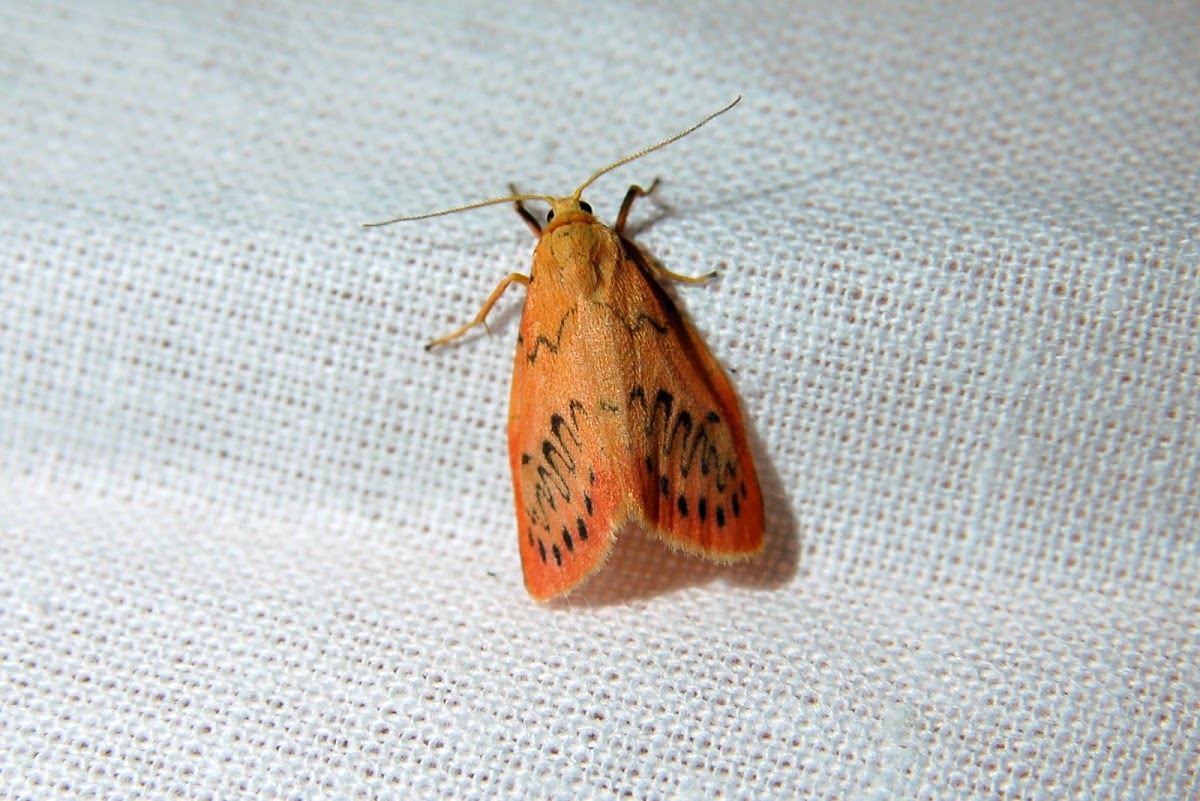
<point>681,434</point>
<point>556,466</point>
<point>639,322</point>
<point>542,339</point>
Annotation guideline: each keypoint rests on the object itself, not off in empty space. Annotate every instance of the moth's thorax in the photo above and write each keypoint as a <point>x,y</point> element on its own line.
<point>577,253</point>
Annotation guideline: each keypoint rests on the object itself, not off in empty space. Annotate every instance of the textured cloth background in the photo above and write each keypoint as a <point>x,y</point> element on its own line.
<point>255,542</point>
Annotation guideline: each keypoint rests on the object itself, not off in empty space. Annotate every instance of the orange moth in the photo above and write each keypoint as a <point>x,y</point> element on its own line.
<point>619,413</point>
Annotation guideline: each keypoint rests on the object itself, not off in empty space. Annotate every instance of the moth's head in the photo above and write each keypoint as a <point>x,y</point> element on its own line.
<point>563,209</point>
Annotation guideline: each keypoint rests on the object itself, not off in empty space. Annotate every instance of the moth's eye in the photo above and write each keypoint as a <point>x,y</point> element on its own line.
<point>550,215</point>
<point>583,204</point>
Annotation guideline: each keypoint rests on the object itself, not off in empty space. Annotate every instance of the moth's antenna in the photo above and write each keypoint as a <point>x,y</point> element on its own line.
<point>465,207</point>
<point>579,192</point>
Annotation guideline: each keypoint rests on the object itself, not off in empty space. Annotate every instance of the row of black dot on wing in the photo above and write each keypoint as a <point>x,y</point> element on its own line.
<point>568,539</point>
<point>702,506</point>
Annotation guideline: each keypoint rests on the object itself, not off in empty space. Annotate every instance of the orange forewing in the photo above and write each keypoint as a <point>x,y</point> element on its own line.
<point>618,413</point>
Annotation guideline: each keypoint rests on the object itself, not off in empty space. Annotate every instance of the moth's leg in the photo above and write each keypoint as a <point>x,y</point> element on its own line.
<point>487,307</point>
<point>686,279</point>
<point>634,193</point>
<point>525,213</point>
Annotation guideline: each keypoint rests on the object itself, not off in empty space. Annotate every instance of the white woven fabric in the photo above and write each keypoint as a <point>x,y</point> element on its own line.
<point>256,543</point>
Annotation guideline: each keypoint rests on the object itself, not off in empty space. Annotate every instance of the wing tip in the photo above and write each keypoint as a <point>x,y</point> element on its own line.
<point>546,588</point>
<point>723,556</point>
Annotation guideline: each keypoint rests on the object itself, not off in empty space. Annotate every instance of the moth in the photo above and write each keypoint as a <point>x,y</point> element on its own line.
<point>618,412</point>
